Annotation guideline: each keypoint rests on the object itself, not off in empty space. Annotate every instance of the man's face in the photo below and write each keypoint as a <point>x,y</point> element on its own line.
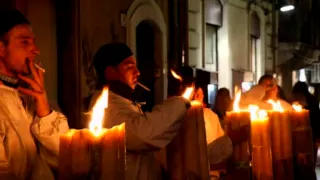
<point>128,72</point>
<point>19,49</point>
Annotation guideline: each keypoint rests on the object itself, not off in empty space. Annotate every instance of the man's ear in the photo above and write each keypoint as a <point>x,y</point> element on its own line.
<point>2,49</point>
<point>110,72</point>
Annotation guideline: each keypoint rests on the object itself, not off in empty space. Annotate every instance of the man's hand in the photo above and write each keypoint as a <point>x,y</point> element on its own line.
<point>37,90</point>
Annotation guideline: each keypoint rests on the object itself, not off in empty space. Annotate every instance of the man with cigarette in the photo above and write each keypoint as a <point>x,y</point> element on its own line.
<point>29,128</point>
<point>145,132</point>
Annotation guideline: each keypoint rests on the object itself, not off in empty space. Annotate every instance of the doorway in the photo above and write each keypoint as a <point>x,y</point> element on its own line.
<point>149,61</point>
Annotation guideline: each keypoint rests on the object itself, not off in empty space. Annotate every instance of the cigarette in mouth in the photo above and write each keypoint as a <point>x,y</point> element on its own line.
<point>143,86</point>
<point>39,67</point>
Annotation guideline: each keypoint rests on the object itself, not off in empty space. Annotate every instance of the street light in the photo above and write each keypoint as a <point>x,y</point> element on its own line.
<point>285,5</point>
<point>286,8</point>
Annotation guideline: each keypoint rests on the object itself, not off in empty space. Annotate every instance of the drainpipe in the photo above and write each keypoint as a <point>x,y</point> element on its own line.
<point>274,36</point>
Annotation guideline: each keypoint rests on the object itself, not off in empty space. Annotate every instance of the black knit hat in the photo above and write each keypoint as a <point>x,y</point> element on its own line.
<point>10,18</point>
<point>110,54</point>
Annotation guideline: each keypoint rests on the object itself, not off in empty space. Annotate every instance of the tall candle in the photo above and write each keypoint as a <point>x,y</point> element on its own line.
<point>281,140</point>
<point>261,146</point>
<point>187,153</point>
<point>94,153</point>
<point>234,120</point>
<point>302,142</point>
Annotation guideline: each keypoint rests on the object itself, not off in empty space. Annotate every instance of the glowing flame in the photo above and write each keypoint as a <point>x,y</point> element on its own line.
<point>297,107</point>
<point>175,75</point>
<point>276,106</point>
<point>236,99</point>
<point>256,114</point>
<point>95,125</point>
<point>188,93</point>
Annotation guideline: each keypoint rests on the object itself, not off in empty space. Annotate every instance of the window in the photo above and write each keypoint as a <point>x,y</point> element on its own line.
<point>255,36</point>
<point>211,44</point>
<point>254,55</point>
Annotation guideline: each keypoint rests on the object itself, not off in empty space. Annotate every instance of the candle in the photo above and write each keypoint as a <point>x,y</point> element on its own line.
<point>96,152</point>
<point>302,140</point>
<point>234,120</point>
<point>261,146</point>
<point>281,141</point>
<point>187,153</point>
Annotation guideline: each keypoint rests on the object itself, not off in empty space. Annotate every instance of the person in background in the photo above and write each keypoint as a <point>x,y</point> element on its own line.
<point>146,133</point>
<point>222,103</point>
<point>220,145</point>
<point>266,89</point>
<point>302,95</point>
<point>29,128</point>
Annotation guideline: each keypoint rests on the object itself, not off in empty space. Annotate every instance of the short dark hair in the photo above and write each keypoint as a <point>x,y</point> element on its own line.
<point>265,78</point>
<point>9,18</point>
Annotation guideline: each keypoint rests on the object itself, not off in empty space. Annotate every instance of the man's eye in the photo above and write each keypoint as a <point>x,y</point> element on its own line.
<point>25,42</point>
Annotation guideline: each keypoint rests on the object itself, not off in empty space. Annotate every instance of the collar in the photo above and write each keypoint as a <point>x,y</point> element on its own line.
<point>121,89</point>
<point>9,81</point>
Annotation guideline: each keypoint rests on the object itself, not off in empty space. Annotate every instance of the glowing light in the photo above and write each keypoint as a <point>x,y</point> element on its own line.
<point>175,75</point>
<point>256,114</point>
<point>276,106</point>
<point>237,99</point>
<point>95,125</point>
<point>287,8</point>
<point>297,107</point>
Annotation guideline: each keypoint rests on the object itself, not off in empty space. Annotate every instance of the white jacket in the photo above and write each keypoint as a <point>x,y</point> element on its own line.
<point>255,95</point>
<point>219,144</point>
<point>145,132</point>
<point>29,145</point>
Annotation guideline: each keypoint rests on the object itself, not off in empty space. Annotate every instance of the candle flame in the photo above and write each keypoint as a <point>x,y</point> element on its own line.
<point>297,107</point>
<point>276,106</point>
<point>175,75</point>
<point>237,99</point>
<point>95,125</point>
<point>256,114</point>
<point>188,93</point>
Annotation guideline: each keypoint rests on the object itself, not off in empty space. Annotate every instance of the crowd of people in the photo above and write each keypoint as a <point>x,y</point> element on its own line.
<point>30,128</point>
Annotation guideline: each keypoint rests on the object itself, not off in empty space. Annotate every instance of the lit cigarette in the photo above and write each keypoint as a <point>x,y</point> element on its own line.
<point>143,86</point>
<point>39,67</point>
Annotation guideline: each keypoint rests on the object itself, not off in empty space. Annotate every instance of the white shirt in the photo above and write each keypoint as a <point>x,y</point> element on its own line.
<point>20,133</point>
<point>219,145</point>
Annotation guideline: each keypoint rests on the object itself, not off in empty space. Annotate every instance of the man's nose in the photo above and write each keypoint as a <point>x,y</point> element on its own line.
<point>137,72</point>
<point>35,50</point>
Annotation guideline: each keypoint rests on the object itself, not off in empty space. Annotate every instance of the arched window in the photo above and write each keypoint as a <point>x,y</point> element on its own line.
<point>254,37</point>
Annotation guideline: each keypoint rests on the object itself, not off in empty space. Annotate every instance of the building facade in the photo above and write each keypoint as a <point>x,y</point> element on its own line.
<point>230,42</point>
<point>227,42</point>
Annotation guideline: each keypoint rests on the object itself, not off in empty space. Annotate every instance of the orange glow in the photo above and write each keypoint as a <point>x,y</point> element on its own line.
<point>196,103</point>
<point>175,75</point>
<point>256,114</point>
<point>188,93</point>
<point>95,125</point>
<point>297,107</point>
<point>276,106</point>
<point>236,99</point>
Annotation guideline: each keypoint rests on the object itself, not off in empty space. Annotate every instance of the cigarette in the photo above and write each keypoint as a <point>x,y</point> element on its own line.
<point>39,67</point>
<point>143,86</point>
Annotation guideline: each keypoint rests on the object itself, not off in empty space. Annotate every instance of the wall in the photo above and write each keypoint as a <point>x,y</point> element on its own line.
<point>41,14</point>
<point>101,23</point>
<point>234,40</point>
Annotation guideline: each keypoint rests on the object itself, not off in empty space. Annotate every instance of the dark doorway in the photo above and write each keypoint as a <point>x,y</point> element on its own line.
<point>148,38</point>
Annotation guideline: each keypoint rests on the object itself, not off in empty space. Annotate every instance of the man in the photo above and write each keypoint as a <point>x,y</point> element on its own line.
<point>145,132</point>
<point>29,128</point>
<point>259,94</point>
